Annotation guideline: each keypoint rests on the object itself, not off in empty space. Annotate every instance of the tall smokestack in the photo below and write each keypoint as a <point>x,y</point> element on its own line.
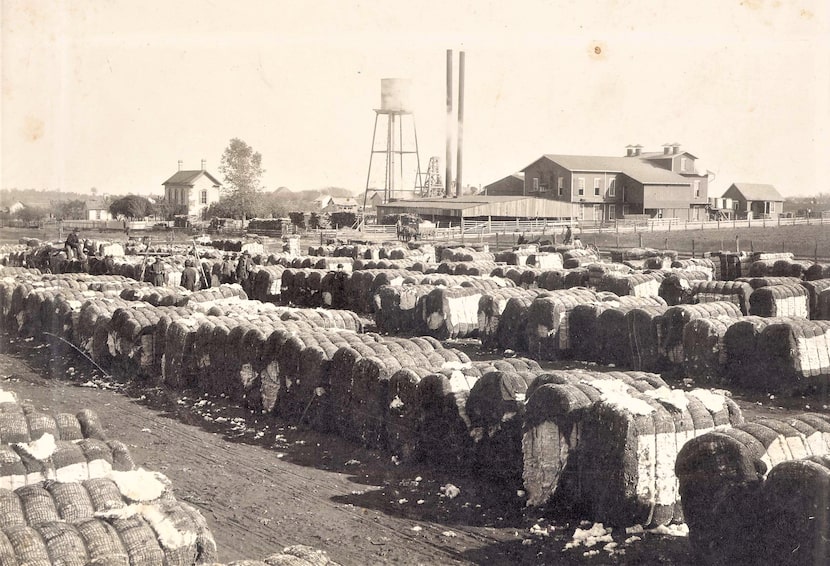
<point>458,185</point>
<point>180,164</point>
<point>203,164</point>
<point>448,156</point>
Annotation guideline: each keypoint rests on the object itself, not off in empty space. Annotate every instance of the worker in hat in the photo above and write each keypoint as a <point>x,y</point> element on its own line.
<point>190,276</point>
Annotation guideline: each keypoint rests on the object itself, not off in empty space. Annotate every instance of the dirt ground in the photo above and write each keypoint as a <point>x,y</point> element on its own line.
<point>263,484</point>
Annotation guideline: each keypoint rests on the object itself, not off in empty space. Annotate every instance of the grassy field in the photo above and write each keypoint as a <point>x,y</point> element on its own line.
<point>804,241</point>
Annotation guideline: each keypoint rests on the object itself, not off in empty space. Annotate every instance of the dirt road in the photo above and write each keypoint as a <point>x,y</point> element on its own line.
<point>263,484</point>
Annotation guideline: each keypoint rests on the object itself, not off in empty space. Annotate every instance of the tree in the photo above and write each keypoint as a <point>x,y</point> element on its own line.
<point>30,214</point>
<point>132,206</point>
<point>69,209</point>
<point>166,210</point>
<point>241,167</point>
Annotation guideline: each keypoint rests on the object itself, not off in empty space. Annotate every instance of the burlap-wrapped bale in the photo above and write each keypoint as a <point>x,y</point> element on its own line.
<point>815,288</point>
<point>675,319</point>
<point>444,426</point>
<point>780,300</point>
<point>794,356</point>
<point>637,284</point>
<point>793,515</point>
<point>758,282</point>
<point>737,292</point>
<point>628,445</point>
<point>112,521</point>
<point>397,308</point>
<point>817,271</point>
<point>495,408</point>
<point>556,403</point>
<point>703,348</point>
<point>597,270</point>
<point>49,459</point>
<point>721,475</point>
<point>452,312</point>
<point>740,343</point>
<point>547,330</point>
<point>644,337</point>
<point>23,423</point>
<point>677,287</point>
<point>491,305</point>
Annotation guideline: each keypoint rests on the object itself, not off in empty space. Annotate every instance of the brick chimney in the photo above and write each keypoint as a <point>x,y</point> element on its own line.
<point>667,148</point>
<point>638,149</point>
<point>203,164</point>
<point>675,148</point>
<point>180,164</point>
<point>629,150</point>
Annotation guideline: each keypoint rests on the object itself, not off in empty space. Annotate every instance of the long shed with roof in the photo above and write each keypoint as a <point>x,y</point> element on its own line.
<point>493,207</point>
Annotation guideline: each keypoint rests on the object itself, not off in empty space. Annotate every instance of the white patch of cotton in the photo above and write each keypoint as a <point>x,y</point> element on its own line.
<point>713,402</point>
<point>166,531</point>
<point>140,484</point>
<point>674,397</point>
<point>7,397</point>
<point>618,395</point>
<point>40,449</point>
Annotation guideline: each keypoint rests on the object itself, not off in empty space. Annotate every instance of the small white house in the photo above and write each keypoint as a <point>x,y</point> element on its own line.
<point>97,209</point>
<point>196,190</point>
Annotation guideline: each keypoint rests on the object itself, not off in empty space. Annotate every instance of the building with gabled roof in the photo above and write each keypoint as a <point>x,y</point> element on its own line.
<point>196,190</point>
<point>605,188</point>
<point>755,200</point>
<point>511,185</point>
<point>97,209</point>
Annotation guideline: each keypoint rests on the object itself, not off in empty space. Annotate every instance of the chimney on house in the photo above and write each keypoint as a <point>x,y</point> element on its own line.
<point>203,164</point>
<point>637,149</point>
<point>629,150</point>
<point>675,148</point>
<point>180,164</point>
<point>667,148</point>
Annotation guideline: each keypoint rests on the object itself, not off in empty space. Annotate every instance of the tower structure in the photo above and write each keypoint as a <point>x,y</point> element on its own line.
<point>397,144</point>
<point>433,186</point>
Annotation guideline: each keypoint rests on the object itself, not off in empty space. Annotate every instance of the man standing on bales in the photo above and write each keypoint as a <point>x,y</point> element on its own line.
<point>73,244</point>
<point>159,277</point>
<point>189,276</point>
<point>243,270</point>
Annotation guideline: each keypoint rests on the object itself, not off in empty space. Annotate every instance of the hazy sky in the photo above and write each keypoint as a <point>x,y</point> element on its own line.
<point>111,94</point>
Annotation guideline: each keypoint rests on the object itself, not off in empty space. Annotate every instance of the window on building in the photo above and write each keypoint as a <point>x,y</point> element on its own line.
<point>97,215</point>
<point>612,187</point>
<point>683,162</point>
<point>580,186</point>
<point>697,189</point>
<point>204,197</point>
<point>598,212</point>
<point>536,184</point>
<point>560,182</point>
<point>612,212</point>
<point>543,188</point>
<point>597,183</point>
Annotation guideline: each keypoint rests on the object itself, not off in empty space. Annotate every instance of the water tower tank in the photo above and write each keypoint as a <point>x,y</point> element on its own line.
<point>394,95</point>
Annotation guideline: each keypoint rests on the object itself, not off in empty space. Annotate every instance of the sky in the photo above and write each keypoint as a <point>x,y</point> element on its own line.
<point>112,94</point>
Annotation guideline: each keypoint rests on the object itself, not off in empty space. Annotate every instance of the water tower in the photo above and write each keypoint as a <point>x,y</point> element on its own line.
<point>396,139</point>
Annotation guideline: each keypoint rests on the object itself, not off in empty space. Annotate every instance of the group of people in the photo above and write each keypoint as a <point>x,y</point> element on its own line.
<point>193,278</point>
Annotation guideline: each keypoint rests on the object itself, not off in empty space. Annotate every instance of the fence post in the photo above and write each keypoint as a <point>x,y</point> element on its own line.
<point>779,221</point>
<point>640,234</point>
<point>737,244</point>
